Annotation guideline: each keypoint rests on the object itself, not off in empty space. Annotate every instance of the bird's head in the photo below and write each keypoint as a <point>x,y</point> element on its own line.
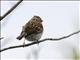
<point>37,19</point>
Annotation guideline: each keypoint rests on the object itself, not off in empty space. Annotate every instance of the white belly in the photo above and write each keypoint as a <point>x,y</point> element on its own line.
<point>34,37</point>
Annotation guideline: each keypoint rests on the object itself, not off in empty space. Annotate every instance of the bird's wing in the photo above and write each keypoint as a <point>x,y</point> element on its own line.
<point>33,28</point>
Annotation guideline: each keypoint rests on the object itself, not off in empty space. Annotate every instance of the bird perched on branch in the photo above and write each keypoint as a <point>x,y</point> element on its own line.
<point>32,31</point>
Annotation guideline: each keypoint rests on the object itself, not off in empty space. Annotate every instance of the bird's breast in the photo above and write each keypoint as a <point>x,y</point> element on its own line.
<point>33,37</point>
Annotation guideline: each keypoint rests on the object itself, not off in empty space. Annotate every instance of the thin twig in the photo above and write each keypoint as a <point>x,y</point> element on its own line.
<point>29,44</point>
<point>1,38</point>
<point>8,12</point>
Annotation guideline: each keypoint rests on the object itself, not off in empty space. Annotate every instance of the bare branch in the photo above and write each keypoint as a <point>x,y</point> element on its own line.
<point>8,12</point>
<point>1,38</point>
<point>29,44</point>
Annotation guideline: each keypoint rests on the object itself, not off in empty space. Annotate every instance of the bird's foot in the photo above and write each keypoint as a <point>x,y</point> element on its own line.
<point>24,44</point>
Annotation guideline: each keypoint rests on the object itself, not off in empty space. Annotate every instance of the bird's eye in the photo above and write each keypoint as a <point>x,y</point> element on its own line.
<point>36,19</point>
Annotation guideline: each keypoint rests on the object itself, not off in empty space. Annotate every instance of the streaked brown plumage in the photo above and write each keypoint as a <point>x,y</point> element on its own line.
<point>32,31</point>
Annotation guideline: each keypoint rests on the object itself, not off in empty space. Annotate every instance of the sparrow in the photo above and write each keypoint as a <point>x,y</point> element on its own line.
<point>32,30</point>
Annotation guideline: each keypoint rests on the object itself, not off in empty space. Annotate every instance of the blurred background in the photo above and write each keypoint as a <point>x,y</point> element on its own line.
<point>60,18</point>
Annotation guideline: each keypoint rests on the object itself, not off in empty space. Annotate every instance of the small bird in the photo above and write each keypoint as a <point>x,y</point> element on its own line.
<point>32,31</point>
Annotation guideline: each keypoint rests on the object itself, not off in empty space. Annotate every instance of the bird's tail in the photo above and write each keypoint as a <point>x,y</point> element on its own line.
<point>21,36</point>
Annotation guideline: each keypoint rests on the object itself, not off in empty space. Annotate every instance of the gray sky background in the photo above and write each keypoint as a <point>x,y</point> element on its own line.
<point>59,19</point>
